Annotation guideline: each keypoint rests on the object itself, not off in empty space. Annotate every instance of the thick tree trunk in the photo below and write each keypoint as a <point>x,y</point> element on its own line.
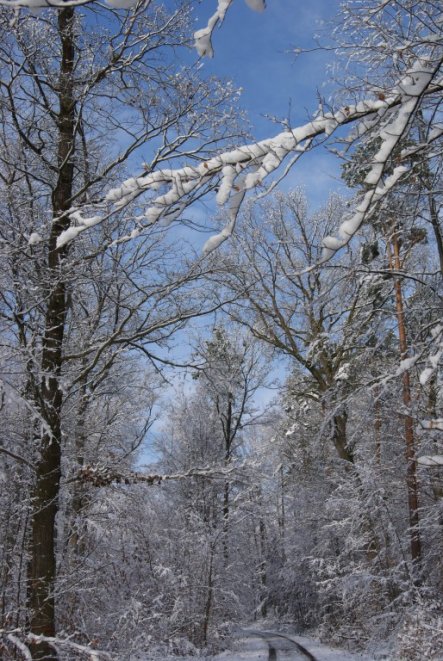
<point>46,494</point>
<point>339,437</point>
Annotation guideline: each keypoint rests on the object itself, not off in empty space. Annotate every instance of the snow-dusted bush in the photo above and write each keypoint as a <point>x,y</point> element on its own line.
<point>421,634</point>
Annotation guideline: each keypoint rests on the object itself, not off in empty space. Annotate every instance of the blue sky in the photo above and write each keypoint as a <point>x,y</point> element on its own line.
<point>254,50</point>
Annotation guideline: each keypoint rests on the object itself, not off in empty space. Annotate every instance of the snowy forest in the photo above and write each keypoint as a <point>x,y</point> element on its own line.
<point>221,403</point>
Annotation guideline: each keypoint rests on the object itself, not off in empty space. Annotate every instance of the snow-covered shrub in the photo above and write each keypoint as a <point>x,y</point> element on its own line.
<point>421,634</point>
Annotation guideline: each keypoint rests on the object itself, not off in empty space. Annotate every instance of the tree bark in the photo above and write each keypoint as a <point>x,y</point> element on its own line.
<point>45,501</point>
<point>436,475</point>
<point>411,471</point>
<point>282,512</point>
<point>433,213</point>
<point>262,569</point>
<point>209,596</point>
<point>433,210</point>
<point>339,437</point>
<point>226,490</point>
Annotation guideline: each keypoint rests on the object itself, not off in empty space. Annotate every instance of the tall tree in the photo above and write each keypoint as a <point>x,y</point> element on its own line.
<point>231,374</point>
<point>76,104</point>
<point>319,319</point>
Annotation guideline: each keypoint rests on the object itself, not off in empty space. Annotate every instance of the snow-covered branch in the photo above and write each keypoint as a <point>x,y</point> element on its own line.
<point>431,461</point>
<point>21,640</point>
<point>433,424</point>
<point>57,4</point>
<point>17,457</point>
<point>247,167</point>
<point>203,37</point>
<point>101,475</point>
<point>409,91</point>
<point>169,191</point>
<point>179,185</point>
<point>434,359</point>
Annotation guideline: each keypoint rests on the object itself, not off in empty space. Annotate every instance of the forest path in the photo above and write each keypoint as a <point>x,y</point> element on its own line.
<point>262,645</point>
<point>281,646</point>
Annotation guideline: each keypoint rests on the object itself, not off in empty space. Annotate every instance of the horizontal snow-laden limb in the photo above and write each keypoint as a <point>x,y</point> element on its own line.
<point>437,424</point>
<point>246,167</point>
<point>20,640</point>
<point>431,460</point>
<point>43,4</point>
<point>100,475</point>
<point>203,37</point>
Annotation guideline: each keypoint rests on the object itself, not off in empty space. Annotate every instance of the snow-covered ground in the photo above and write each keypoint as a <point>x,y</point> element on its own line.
<point>264,645</point>
<point>272,646</point>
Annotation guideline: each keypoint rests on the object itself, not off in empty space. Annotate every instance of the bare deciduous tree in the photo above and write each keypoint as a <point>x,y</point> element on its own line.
<point>76,105</point>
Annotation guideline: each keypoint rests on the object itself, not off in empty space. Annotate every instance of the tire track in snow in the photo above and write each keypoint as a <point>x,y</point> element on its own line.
<point>268,635</point>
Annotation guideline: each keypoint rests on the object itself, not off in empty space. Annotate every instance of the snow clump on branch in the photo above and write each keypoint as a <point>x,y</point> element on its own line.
<point>239,170</point>
<point>203,37</point>
<point>246,167</point>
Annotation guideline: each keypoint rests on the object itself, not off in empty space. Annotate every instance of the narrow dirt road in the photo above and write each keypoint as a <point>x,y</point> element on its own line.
<point>254,645</point>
